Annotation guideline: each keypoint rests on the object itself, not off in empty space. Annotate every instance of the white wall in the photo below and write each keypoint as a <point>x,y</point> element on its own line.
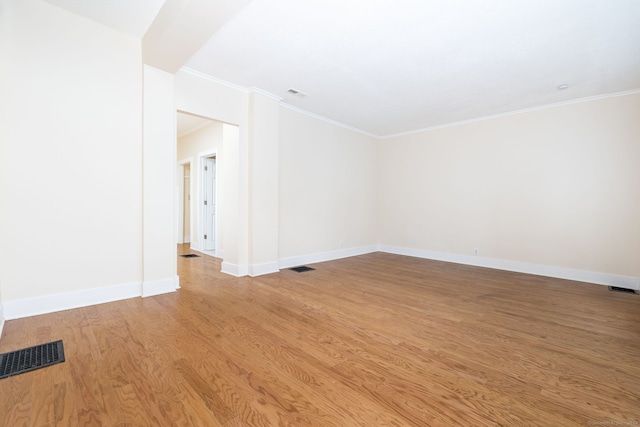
<point>209,98</point>
<point>228,194</point>
<point>70,171</point>
<point>264,147</point>
<point>250,160</point>
<point>328,186</point>
<point>191,147</point>
<point>159,195</point>
<point>556,187</point>
<point>203,140</point>
<point>321,186</point>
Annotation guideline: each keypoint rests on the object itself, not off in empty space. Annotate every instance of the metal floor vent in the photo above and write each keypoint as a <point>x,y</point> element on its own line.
<point>301,269</point>
<point>625,290</point>
<point>190,256</point>
<point>28,359</point>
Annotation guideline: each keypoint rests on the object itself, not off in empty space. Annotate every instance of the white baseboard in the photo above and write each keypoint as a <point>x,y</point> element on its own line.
<point>265,268</point>
<point>274,267</point>
<point>186,239</point>
<point>326,256</point>
<point>249,270</point>
<point>234,269</point>
<point>16,309</point>
<point>162,286</point>
<point>520,267</point>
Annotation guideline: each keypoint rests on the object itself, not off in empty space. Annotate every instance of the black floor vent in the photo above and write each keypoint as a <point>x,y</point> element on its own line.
<point>28,359</point>
<point>190,256</point>
<point>301,269</point>
<point>625,290</point>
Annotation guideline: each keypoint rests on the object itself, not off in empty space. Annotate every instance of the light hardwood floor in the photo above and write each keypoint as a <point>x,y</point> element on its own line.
<point>373,340</point>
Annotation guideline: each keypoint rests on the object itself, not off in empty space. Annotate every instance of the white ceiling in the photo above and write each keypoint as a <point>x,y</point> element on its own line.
<point>392,67</point>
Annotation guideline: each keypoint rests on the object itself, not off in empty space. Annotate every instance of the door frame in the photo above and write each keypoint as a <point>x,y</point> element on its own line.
<point>180,204</point>
<point>201,195</point>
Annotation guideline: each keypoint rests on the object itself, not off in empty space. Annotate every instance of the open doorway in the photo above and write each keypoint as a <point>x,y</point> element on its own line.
<point>199,154</point>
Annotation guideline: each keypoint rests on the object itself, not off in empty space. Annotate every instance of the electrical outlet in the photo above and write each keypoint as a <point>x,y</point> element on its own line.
<point>476,251</point>
<point>341,242</point>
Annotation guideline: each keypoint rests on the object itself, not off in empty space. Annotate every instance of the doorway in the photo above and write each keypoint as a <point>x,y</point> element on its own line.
<point>205,142</point>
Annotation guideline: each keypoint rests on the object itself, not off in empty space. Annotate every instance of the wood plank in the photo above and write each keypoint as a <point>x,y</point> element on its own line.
<point>378,339</point>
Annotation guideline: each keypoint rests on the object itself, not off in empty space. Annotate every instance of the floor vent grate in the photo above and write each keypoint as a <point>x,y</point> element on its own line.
<point>28,359</point>
<point>190,256</point>
<point>301,269</point>
<point>624,290</point>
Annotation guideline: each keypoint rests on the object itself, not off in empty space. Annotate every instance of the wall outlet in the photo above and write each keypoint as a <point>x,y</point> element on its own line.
<point>476,251</point>
<point>341,242</point>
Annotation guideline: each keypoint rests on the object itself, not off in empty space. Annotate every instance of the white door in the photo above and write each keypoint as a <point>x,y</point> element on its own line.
<point>209,208</point>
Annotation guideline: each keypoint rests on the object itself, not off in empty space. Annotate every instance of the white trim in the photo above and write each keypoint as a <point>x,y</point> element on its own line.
<point>327,120</point>
<point>246,270</point>
<point>17,309</point>
<point>234,269</point>
<point>326,256</point>
<point>180,204</point>
<point>521,267</point>
<point>162,286</point>
<point>215,79</point>
<point>264,268</point>
<point>267,94</point>
<point>181,238</point>
<point>515,112</point>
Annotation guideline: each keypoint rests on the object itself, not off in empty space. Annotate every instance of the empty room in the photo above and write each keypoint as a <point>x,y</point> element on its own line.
<point>303,213</point>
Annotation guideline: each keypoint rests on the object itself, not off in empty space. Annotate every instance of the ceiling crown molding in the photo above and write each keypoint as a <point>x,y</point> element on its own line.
<point>215,79</point>
<point>267,94</point>
<point>331,121</point>
<point>230,85</point>
<point>515,112</point>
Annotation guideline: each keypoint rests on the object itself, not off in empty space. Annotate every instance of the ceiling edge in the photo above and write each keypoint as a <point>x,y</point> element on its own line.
<point>411,132</point>
<point>331,121</point>
<point>516,112</point>
<point>214,79</point>
<point>279,99</point>
<point>267,94</point>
